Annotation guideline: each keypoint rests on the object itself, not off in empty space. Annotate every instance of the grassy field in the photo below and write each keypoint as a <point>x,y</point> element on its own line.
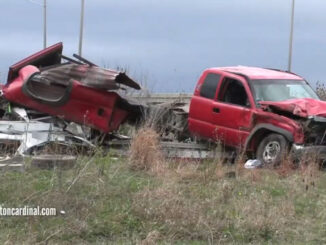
<point>110,200</point>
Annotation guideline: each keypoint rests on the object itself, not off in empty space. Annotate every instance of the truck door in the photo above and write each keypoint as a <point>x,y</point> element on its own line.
<point>232,111</point>
<point>200,114</point>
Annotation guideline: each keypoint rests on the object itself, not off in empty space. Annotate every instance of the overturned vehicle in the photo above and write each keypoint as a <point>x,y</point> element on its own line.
<point>49,97</point>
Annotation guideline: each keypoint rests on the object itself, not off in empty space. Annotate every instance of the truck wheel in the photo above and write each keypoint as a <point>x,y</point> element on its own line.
<point>272,149</point>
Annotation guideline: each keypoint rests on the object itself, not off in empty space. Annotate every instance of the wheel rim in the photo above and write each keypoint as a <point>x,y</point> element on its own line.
<point>271,151</point>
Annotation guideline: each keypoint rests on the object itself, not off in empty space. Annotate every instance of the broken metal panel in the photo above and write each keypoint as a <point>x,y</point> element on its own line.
<point>91,76</point>
<point>21,112</point>
<point>78,130</point>
<point>71,139</point>
<point>30,140</point>
<point>34,133</point>
<point>20,127</point>
<point>16,137</point>
<point>49,62</point>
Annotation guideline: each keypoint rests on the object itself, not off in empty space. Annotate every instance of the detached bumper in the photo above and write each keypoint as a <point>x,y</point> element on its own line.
<point>317,152</point>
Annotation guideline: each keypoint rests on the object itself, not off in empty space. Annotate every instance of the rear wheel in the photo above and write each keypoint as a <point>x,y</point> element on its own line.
<point>272,150</point>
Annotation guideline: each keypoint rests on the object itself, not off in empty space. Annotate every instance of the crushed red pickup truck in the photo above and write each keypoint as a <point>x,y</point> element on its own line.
<point>265,112</point>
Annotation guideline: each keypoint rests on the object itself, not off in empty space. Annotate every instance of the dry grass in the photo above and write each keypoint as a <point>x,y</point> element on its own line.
<point>186,203</point>
<point>286,168</point>
<point>310,173</point>
<point>208,210</point>
<point>151,238</point>
<point>181,216</point>
<point>201,202</point>
<point>146,199</point>
<point>145,152</point>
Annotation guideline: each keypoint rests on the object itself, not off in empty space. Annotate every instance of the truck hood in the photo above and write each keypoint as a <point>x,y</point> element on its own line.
<point>299,107</point>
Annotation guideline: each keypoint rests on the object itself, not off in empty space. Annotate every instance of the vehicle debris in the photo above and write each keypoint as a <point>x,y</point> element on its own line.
<point>35,133</point>
<point>252,163</point>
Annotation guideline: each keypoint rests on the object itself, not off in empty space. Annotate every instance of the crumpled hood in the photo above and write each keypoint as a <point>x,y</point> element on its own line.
<point>300,107</point>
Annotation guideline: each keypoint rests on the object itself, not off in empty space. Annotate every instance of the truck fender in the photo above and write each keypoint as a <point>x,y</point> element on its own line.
<point>265,127</point>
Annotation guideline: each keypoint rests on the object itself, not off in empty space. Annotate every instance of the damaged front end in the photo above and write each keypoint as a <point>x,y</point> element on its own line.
<point>314,144</point>
<point>310,114</point>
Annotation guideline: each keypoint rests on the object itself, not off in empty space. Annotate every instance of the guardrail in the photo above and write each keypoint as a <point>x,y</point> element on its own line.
<point>161,98</point>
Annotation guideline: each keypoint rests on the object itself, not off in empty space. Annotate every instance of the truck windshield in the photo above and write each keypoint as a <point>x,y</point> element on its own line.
<point>278,90</point>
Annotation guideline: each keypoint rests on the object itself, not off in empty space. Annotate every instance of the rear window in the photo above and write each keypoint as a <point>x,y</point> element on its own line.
<point>209,86</point>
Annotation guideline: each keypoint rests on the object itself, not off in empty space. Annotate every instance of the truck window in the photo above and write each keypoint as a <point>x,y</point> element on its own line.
<point>233,92</point>
<point>209,86</point>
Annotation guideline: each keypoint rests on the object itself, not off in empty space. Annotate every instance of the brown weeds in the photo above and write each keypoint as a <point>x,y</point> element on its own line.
<point>286,168</point>
<point>310,171</point>
<point>180,214</point>
<point>151,238</point>
<point>145,151</point>
<point>260,215</point>
<point>187,171</point>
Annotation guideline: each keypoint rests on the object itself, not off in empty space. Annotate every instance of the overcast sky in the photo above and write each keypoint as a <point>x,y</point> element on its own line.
<point>166,44</point>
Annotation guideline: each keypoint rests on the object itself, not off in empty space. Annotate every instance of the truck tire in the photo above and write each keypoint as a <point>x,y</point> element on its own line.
<point>272,149</point>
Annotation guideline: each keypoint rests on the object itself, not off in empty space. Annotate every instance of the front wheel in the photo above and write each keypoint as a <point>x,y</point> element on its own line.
<point>272,149</point>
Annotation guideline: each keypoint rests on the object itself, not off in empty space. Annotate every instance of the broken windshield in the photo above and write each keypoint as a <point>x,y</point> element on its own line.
<point>279,90</point>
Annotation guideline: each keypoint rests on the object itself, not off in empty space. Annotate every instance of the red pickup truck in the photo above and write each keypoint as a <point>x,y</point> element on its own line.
<point>264,111</point>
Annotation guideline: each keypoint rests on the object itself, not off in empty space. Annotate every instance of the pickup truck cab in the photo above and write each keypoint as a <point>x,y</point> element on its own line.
<point>266,112</point>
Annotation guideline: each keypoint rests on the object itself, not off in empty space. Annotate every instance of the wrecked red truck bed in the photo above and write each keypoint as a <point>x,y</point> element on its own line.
<point>76,90</point>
